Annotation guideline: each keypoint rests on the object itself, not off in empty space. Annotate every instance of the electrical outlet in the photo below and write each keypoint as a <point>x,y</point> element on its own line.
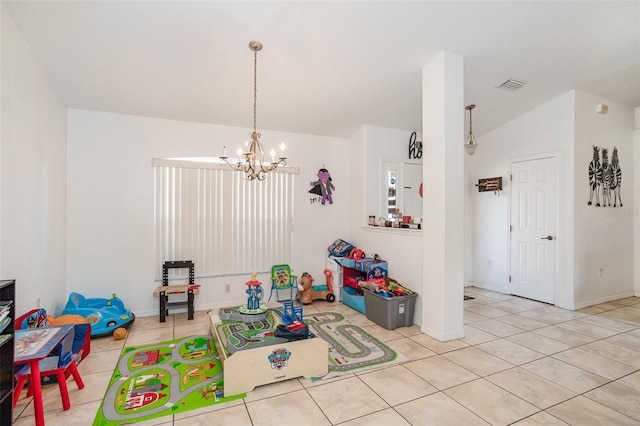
<point>490,263</point>
<point>601,271</point>
<point>227,288</point>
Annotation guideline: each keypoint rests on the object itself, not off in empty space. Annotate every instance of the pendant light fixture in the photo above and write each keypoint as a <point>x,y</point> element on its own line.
<point>251,161</point>
<point>470,144</point>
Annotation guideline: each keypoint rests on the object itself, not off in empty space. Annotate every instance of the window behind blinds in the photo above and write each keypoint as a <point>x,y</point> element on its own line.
<point>223,223</point>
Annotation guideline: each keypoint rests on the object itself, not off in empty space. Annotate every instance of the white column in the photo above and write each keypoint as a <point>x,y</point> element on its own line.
<point>636,202</point>
<point>443,197</point>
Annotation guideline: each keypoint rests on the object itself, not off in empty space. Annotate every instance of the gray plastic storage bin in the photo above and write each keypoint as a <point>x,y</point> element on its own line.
<point>392,312</point>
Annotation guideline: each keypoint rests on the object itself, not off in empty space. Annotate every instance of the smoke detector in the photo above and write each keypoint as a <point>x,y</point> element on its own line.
<point>512,84</point>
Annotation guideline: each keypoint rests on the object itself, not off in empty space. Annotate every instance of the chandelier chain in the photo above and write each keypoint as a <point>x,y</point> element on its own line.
<point>470,144</point>
<point>255,88</point>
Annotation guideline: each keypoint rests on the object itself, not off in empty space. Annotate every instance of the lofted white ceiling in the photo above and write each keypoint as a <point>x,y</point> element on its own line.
<point>327,67</point>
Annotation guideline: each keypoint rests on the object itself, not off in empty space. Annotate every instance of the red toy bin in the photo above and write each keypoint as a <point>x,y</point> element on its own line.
<point>351,282</point>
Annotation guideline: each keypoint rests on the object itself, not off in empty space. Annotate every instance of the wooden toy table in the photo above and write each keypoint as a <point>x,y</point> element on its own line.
<point>246,369</point>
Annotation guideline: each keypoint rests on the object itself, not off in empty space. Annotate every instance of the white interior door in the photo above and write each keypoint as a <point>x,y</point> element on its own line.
<point>533,229</point>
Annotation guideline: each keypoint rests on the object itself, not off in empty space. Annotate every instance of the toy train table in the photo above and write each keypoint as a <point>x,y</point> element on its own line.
<point>252,355</point>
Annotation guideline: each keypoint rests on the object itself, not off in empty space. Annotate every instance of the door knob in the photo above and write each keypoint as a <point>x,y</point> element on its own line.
<point>548,237</point>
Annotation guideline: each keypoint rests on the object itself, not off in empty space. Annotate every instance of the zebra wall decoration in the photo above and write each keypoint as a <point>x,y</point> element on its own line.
<point>616,177</point>
<point>605,178</point>
<point>595,176</point>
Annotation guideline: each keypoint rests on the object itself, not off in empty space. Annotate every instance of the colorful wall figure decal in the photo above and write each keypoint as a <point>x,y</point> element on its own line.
<point>323,187</point>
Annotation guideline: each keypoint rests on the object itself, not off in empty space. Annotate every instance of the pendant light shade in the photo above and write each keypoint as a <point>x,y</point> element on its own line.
<point>470,143</point>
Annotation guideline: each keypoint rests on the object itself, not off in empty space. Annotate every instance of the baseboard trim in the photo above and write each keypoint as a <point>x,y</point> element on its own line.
<point>458,334</point>
<point>586,304</point>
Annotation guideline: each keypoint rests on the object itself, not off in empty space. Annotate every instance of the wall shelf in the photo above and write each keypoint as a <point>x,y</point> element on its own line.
<point>490,184</point>
<point>398,231</point>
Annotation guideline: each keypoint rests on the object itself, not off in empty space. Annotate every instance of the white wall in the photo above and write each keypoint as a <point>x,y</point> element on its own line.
<point>32,178</point>
<point>357,172</point>
<point>110,192</point>
<point>636,210</point>
<point>382,145</point>
<point>402,249</point>
<point>547,129</point>
<point>588,238</point>
<point>603,235</point>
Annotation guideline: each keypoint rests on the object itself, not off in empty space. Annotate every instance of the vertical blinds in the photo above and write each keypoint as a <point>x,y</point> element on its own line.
<point>223,223</point>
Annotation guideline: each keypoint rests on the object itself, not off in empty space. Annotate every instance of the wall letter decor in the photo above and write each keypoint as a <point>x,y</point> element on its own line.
<point>415,146</point>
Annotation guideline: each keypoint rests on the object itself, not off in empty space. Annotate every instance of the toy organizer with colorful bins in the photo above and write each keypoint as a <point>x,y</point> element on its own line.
<point>367,288</point>
<point>356,267</point>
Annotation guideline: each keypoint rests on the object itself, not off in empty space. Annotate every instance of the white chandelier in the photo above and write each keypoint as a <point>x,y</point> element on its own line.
<point>251,160</point>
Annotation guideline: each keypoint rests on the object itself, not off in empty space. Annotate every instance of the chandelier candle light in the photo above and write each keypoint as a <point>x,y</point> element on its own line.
<point>251,160</point>
<point>470,144</point>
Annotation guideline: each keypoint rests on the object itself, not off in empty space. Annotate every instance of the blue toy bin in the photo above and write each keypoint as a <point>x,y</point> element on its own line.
<point>353,298</point>
<point>348,263</point>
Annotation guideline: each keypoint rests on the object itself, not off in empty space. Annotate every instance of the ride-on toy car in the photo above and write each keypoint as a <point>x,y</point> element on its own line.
<point>311,292</point>
<point>104,315</point>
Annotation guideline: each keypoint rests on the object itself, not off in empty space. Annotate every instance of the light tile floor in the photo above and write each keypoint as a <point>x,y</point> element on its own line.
<point>521,362</point>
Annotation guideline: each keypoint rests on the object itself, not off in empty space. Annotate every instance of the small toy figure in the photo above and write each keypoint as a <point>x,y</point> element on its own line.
<point>254,291</point>
<point>323,186</point>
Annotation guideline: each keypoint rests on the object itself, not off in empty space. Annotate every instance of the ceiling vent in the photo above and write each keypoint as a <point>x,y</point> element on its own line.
<point>512,84</point>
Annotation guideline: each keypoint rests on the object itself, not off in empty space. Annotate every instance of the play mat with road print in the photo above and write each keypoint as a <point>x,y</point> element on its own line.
<point>163,379</point>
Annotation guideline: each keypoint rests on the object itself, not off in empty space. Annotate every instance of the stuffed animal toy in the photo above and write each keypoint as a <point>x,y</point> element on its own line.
<point>306,281</point>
